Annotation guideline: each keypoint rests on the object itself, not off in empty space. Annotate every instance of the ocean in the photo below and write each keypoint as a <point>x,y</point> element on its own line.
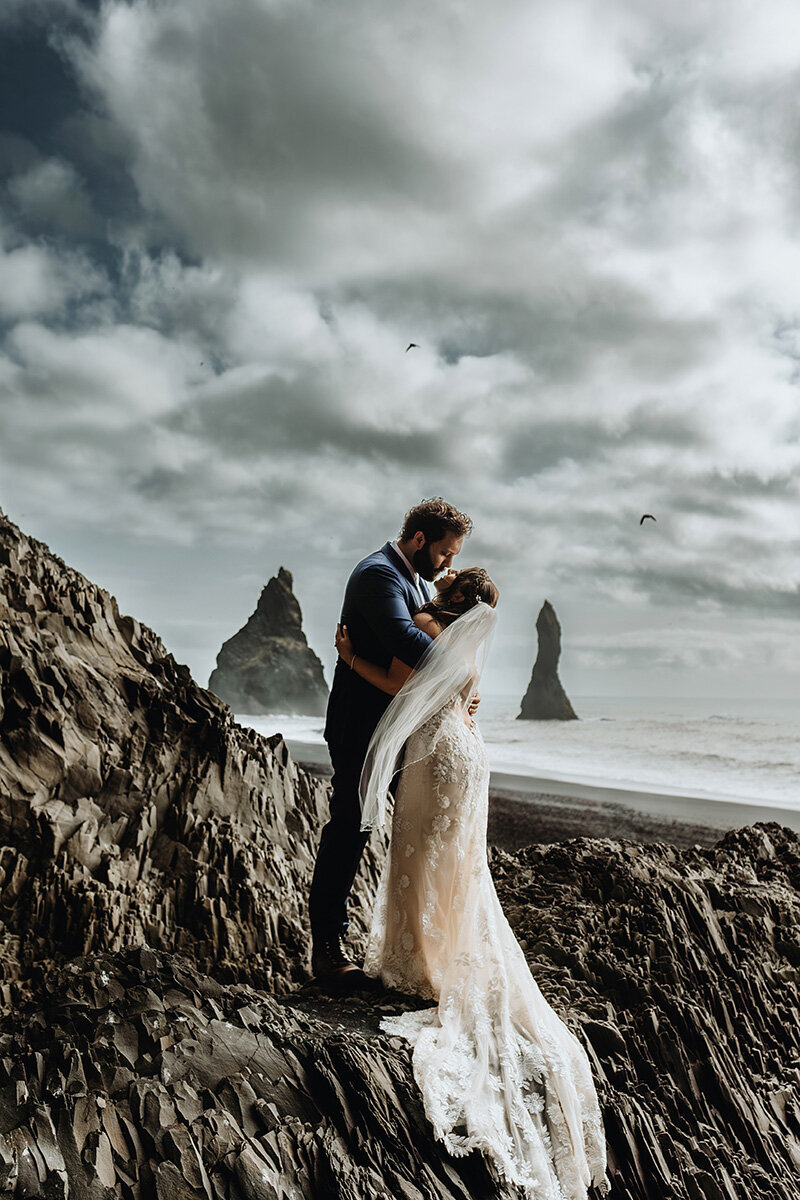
<point>742,750</point>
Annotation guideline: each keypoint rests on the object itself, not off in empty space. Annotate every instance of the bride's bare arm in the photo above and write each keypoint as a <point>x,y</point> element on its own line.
<point>388,679</point>
<point>428,624</point>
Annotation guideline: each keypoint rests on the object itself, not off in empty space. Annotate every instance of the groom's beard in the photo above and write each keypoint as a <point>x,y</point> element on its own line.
<point>423,565</point>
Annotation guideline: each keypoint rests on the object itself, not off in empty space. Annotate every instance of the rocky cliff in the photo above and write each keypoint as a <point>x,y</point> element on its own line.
<point>268,666</point>
<point>134,810</point>
<point>158,1033</point>
<point>545,699</point>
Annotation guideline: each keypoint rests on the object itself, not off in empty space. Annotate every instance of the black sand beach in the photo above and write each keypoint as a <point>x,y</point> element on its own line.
<point>524,810</point>
<point>518,819</point>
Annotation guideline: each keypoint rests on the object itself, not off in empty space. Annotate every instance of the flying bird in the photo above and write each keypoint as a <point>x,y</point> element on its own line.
<point>411,346</point>
<point>647,517</point>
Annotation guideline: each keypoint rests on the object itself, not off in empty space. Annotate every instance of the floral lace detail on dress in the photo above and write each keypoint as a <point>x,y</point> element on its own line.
<point>497,1068</point>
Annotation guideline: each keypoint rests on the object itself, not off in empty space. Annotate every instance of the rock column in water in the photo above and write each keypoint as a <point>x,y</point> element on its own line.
<point>545,699</point>
<point>268,666</point>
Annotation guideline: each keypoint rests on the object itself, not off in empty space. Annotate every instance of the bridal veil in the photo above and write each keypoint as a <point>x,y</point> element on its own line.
<point>450,667</point>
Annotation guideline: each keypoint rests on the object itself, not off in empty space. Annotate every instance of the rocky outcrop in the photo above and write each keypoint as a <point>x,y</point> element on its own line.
<point>136,1076</point>
<point>268,666</point>
<point>682,969</point>
<point>132,1074</point>
<point>158,1033</point>
<point>545,699</point>
<point>133,809</point>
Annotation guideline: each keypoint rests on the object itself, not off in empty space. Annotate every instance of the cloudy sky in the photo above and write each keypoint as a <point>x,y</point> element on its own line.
<point>221,225</point>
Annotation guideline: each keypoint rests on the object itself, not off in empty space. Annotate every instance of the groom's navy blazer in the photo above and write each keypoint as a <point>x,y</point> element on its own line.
<point>379,603</point>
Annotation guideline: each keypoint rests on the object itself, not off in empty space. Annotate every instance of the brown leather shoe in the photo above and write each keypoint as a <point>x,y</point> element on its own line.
<point>331,967</point>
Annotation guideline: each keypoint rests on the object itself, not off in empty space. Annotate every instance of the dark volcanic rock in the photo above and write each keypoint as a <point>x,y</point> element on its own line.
<point>133,1075</point>
<point>154,869</point>
<point>133,808</point>
<point>268,665</point>
<point>545,699</point>
<point>682,967</point>
<point>678,970</point>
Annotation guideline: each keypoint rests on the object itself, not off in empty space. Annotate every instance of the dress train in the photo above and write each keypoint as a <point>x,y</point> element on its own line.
<point>498,1070</point>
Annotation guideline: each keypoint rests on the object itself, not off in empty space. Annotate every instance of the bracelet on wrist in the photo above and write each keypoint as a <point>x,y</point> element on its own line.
<point>352,660</point>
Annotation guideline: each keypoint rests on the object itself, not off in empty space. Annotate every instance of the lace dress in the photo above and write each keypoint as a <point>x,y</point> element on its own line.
<point>498,1070</point>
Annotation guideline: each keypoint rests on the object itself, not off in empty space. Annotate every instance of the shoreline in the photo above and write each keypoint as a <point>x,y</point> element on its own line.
<point>601,811</point>
<point>526,809</point>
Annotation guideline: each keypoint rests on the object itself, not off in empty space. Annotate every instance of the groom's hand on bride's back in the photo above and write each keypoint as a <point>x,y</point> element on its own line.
<point>474,701</point>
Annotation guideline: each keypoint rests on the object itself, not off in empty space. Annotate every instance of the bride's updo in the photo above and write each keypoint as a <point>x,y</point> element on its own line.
<point>461,593</point>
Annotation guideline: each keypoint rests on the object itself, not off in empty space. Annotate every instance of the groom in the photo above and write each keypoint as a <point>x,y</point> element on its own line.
<point>381,597</point>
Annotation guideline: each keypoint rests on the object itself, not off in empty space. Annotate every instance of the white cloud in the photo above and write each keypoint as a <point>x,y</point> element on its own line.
<point>29,282</point>
<point>111,378</point>
<point>38,280</point>
<point>50,192</point>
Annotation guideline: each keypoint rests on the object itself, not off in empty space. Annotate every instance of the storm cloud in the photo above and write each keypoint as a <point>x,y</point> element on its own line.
<point>221,227</point>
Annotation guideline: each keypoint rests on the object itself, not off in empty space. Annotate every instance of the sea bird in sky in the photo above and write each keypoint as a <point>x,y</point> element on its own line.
<point>411,346</point>
<point>647,517</point>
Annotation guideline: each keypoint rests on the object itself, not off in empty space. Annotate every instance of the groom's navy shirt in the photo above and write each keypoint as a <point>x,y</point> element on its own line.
<point>379,603</point>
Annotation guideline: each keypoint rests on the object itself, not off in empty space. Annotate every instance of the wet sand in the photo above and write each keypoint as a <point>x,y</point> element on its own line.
<point>524,810</point>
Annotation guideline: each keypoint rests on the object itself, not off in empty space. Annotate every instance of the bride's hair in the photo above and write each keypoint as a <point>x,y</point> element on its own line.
<point>467,589</point>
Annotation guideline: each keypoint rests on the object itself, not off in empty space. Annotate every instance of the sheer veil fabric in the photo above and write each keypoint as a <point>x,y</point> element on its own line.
<point>497,1069</point>
<point>447,672</point>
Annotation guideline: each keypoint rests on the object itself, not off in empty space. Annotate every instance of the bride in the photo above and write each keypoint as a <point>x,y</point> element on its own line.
<point>498,1070</point>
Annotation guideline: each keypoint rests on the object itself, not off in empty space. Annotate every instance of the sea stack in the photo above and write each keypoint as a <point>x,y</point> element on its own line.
<point>268,666</point>
<point>545,699</point>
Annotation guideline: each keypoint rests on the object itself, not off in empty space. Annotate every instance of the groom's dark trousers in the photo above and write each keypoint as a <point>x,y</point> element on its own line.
<point>379,603</point>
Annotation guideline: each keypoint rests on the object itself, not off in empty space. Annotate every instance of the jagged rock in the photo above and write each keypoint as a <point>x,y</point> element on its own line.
<point>268,666</point>
<point>150,1042</point>
<point>133,808</point>
<point>545,699</point>
<point>234,1092</point>
<point>683,969</point>
<point>678,970</point>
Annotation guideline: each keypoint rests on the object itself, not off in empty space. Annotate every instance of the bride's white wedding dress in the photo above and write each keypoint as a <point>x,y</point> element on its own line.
<point>498,1070</point>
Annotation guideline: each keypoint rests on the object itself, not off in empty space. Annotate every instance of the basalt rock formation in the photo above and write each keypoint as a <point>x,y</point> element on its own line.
<point>158,1032</point>
<point>133,809</point>
<point>545,699</point>
<point>268,666</point>
<point>132,1074</point>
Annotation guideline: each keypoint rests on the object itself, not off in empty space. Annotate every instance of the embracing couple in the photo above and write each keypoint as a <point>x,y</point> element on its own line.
<point>498,1070</point>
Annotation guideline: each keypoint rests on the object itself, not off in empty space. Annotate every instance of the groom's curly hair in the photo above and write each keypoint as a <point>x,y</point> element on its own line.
<point>435,518</point>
